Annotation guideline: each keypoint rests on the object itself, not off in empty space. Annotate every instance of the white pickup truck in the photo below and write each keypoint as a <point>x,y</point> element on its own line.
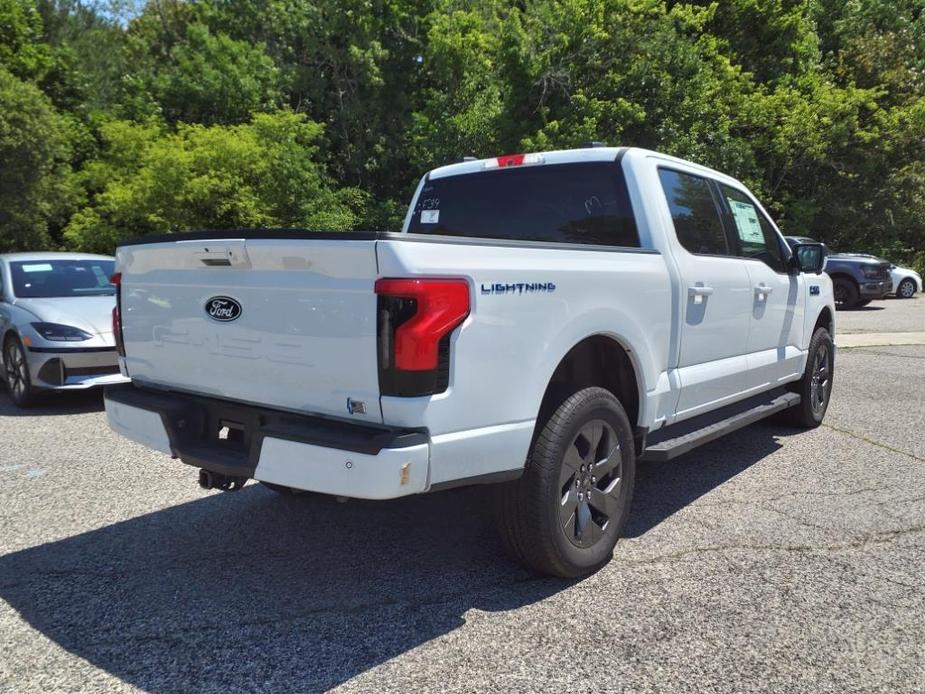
<point>542,321</point>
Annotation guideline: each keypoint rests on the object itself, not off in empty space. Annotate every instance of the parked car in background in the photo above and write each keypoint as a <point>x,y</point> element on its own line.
<point>857,279</point>
<point>906,282</point>
<point>56,323</point>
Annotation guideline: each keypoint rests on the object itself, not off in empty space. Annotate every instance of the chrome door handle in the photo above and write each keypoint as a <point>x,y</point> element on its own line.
<point>697,292</point>
<point>762,291</point>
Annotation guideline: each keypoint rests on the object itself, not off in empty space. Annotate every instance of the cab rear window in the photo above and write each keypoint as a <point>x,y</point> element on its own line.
<point>583,203</point>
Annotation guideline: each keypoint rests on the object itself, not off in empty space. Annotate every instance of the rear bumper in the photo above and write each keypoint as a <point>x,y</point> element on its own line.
<point>302,452</point>
<point>75,368</point>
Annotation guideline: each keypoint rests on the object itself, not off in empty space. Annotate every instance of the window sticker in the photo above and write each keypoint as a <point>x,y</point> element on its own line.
<point>430,216</point>
<point>42,267</point>
<point>746,219</point>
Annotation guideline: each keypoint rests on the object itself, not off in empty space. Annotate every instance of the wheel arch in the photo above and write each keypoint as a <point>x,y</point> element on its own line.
<point>826,320</point>
<point>840,275</point>
<point>8,333</point>
<point>602,360</point>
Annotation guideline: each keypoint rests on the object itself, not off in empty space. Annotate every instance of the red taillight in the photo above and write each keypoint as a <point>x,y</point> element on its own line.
<point>440,305</point>
<point>116,280</point>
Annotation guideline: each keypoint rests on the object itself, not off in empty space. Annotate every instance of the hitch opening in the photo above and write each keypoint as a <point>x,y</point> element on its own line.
<point>216,480</point>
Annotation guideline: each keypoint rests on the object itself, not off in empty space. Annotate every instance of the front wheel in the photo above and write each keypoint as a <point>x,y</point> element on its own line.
<point>906,289</point>
<point>16,373</point>
<point>565,514</point>
<point>846,293</point>
<point>815,388</point>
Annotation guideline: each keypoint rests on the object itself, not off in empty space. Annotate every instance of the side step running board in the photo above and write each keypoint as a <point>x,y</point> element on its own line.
<point>672,448</point>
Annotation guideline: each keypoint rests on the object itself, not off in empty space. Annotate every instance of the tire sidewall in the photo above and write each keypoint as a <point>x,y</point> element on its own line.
<point>850,291</point>
<point>26,397</point>
<point>905,283</point>
<point>821,340</point>
<point>602,405</point>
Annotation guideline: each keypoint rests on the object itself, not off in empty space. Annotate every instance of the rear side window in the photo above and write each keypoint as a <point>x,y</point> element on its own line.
<point>696,218</point>
<point>568,203</point>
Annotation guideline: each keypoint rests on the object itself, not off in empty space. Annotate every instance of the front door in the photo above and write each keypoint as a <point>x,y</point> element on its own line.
<point>776,325</point>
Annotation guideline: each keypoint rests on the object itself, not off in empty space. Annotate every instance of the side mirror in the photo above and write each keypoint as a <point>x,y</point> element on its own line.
<point>809,257</point>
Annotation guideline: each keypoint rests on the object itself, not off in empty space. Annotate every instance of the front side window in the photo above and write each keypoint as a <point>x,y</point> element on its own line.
<point>757,238</point>
<point>583,203</point>
<point>697,223</point>
<point>59,278</point>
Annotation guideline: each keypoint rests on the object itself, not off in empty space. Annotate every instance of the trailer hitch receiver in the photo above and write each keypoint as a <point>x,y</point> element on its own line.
<point>216,480</point>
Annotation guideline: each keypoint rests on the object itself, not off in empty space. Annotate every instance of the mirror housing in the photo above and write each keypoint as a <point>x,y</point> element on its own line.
<point>808,258</point>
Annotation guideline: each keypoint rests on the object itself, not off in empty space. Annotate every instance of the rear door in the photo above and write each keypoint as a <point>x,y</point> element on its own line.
<point>716,301</point>
<point>776,324</point>
<point>284,322</point>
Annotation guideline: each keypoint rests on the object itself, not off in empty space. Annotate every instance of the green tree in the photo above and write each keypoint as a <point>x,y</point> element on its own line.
<point>36,186</point>
<point>259,174</point>
<point>212,78</point>
<point>353,65</point>
<point>21,51</point>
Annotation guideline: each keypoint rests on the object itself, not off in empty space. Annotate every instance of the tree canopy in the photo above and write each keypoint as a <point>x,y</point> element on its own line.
<point>119,119</point>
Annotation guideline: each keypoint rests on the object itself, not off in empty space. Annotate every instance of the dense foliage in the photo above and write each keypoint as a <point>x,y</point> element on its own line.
<point>119,119</point>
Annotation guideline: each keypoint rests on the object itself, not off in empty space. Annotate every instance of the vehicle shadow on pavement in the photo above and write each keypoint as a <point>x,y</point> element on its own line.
<point>663,489</point>
<point>253,591</point>
<point>51,404</point>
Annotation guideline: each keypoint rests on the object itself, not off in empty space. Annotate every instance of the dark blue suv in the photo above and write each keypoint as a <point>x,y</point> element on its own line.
<point>857,279</point>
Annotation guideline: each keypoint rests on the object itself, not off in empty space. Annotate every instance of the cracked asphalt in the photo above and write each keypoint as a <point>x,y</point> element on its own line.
<point>770,560</point>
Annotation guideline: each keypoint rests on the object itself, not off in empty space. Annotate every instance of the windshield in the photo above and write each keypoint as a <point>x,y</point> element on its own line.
<point>33,279</point>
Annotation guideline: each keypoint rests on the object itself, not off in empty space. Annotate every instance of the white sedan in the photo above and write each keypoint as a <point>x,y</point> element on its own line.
<point>56,323</point>
<point>906,282</point>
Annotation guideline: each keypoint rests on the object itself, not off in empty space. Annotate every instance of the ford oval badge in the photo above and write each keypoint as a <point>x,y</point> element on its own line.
<point>223,308</point>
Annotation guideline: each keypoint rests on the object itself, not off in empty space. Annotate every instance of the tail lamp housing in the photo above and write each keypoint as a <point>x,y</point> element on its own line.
<point>116,281</point>
<point>416,317</point>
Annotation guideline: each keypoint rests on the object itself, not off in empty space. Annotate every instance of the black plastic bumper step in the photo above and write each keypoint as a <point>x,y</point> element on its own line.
<point>687,439</point>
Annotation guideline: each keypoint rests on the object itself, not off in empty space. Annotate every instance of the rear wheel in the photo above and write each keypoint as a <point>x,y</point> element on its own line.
<point>16,373</point>
<point>846,293</point>
<point>815,388</point>
<point>863,303</point>
<point>565,514</point>
<point>906,289</point>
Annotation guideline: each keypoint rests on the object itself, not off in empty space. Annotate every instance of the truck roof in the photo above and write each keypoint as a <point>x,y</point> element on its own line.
<point>561,156</point>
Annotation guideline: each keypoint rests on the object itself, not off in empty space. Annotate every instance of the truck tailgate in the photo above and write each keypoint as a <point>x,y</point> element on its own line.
<point>284,322</point>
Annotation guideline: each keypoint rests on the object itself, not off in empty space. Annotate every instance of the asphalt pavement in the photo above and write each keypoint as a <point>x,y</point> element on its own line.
<point>770,560</point>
